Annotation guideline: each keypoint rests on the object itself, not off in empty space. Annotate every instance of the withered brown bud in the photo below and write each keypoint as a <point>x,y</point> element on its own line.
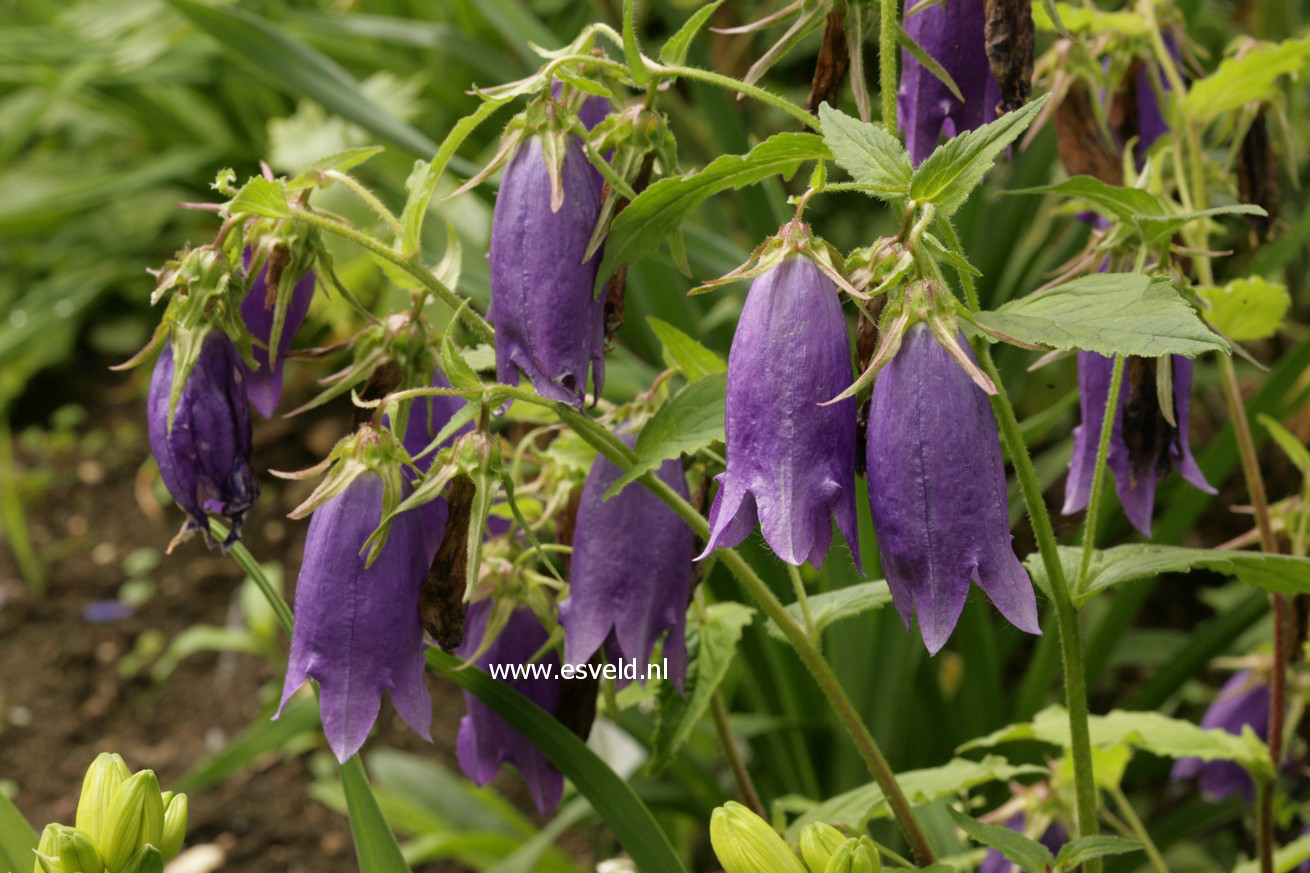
<point>1146,432</point>
<point>441,605</point>
<point>1009,41</point>
<point>1257,174</point>
<point>577,700</point>
<point>833,63</point>
<point>381,382</point>
<point>1083,148</point>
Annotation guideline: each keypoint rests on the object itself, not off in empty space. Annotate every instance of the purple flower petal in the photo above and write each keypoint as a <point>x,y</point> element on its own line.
<point>264,385</point>
<point>791,462</point>
<point>1242,701</point>
<point>1053,839</point>
<point>937,492</point>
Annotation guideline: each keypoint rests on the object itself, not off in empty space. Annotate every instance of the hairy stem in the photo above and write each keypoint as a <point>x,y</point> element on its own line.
<point>1098,475</point>
<point>739,772</point>
<point>888,24</point>
<point>740,87</point>
<point>803,598</point>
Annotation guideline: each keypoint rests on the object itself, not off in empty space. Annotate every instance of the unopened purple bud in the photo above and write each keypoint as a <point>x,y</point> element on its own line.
<point>953,35</point>
<point>204,459</point>
<point>486,741</point>
<point>791,461</point>
<point>1243,701</point>
<point>357,628</point>
<point>594,108</point>
<point>630,574</point>
<point>1144,446</point>
<point>937,492</point>
<point>264,385</point>
<point>548,323</point>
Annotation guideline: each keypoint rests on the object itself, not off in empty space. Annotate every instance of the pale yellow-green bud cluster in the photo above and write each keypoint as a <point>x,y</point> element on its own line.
<point>745,843</point>
<point>124,824</point>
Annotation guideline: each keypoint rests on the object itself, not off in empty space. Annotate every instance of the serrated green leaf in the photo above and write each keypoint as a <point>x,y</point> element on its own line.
<point>1292,447</point>
<point>854,808</point>
<point>1112,201</point>
<point>687,422</point>
<point>674,51</point>
<point>711,650</point>
<point>686,354</point>
<point>340,161</point>
<point>660,209</point>
<point>1284,574</point>
<point>1108,313</point>
<point>831,607</point>
<point>1088,21</point>
<point>1252,77</point>
<point>1075,853</point>
<point>261,196</point>
<point>950,174</point>
<point>631,50</point>
<point>1247,309</point>
<point>1030,855</point>
<point>866,151</point>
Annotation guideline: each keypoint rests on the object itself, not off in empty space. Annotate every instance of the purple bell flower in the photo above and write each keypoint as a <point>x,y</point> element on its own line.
<point>1143,445</point>
<point>952,34</point>
<point>1242,701</point>
<point>594,107</point>
<point>1053,838</point>
<point>486,741</point>
<point>427,416</point>
<point>548,323</point>
<point>630,574</point>
<point>937,492</point>
<point>357,628</point>
<point>264,385</point>
<point>205,458</point>
<point>791,461</point>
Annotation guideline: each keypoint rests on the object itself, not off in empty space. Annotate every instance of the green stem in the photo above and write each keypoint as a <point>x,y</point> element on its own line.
<point>798,585</point>
<point>730,751</point>
<point>370,199</point>
<point>1098,475</point>
<point>476,322</point>
<point>1139,830</point>
<point>888,25</point>
<point>740,87</point>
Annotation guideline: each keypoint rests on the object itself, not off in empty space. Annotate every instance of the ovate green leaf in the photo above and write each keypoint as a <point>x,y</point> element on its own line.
<point>1030,855</point>
<point>831,607</point>
<point>1077,852</point>
<point>1248,309</point>
<point>688,421</point>
<point>1253,76</point>
<point>674,52</point>
<point>261,196</point>
<point>868,152</point>
<point>686,354</point>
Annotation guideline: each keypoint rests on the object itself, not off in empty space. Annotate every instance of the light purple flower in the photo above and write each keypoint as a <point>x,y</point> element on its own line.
<point>630,574</point>
<point>486,741</point>
<point>1144,447</point>
<point>548,323</point>
<point>1053,838</point>
<point>791,461</point>
<point>937,492</point>
<point>952,34</point>
<point>1244,700</point>
<point>204,459</point>
<point>264,385</point>
<point>357,628</point>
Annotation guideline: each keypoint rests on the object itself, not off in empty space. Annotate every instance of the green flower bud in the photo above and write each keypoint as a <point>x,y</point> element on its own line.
<point>47,850</point>
<point>175,815</point>
<point>135,819</point>
<point>818,842</point>
<point>744,843</point>
<point>106,773</point>
<point>855,856</point>
<point>146,860</point>
<point>78,853</point>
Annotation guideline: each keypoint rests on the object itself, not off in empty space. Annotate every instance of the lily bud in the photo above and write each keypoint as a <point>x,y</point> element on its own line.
<point>103,778</point>
<point>175,818</point>
<point>937,491</point>
<point>47,851</point>
<point>855,856</point>
<point>135,819</point>
<point>357,626</point>
<point>78,853</point>
<point>630,574</point>
<point>204,452</point>
<point>147,860</point>
<point>549,325</point>
<point>744,843</point>
<point>818,843</point>
<point>791,460</point>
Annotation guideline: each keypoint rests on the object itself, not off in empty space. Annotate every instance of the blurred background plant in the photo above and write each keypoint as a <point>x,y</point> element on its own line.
<point>112,112</point>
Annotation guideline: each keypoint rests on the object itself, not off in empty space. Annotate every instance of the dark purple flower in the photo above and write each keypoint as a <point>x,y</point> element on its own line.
<point>486,741</point>
<point>630,574</point>
<point>1244,700</point>
<point>952,34</point>
<point>594,108</point>
<point>427,416</point>
<point>791,462</point>
<point>937,491</point>
<point>1135,110</point>
<point>257,308</point>
<point>205,458</point>
<point>1144,446</point>
<point>1053,838</point>
<point>549,325</point>
<point>357,628</point>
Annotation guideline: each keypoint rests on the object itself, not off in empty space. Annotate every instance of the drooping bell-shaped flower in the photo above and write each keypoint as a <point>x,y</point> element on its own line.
<point>427,417</point>
<point>486,741</point>
<point>791,461</point>
<point>953,35</point>
<point>549,325</point>
<point>630,574</point>
<point>264,385</point>
<point>1243,701</point>
<point>1053,838</point>
<point>937,492</point>
<point>357,628</point>
<point>204,458</point>
<point>1144,445</point>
